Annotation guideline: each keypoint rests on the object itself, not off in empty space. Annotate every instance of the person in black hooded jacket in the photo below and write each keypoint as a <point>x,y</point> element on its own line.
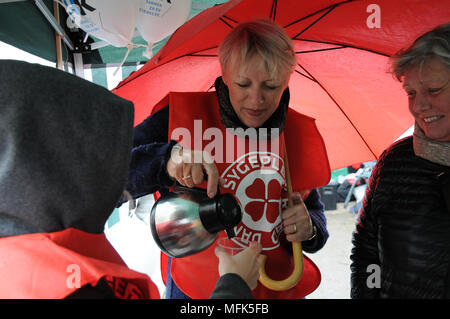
<point>402,237</point>
<point>64,157</point>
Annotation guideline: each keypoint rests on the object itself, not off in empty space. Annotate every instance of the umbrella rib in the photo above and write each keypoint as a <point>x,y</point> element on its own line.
<point>339,107</point>
<point>212,85</point>
<point>273,10</point>
<point>320,50</point>
<point>308,77</point>
<point>232,20</point>
<point>329,8</point>
<point>202,55</point>
<point>313,23</point>
<point>229,25</point>
<point>344,46</point>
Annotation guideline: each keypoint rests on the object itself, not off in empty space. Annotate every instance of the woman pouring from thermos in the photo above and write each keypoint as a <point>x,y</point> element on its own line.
<point>250,111</point>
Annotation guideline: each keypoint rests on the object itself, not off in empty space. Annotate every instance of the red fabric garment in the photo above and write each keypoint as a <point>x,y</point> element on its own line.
<point>254,173</point>
<point>54,265</point>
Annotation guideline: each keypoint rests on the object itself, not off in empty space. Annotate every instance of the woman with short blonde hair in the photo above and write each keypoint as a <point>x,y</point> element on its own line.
<point>257,60</point>
<point>260,37</point>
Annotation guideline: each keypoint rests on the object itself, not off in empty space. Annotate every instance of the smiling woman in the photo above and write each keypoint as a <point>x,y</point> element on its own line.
<point>424,69</point>
<point>405,218</point>
<point>428,92</point>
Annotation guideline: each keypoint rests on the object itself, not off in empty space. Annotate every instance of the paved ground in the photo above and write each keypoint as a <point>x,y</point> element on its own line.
<point>333,260</point>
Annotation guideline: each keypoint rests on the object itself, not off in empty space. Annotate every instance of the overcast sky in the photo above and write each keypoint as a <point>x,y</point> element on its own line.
<point>9,52</point>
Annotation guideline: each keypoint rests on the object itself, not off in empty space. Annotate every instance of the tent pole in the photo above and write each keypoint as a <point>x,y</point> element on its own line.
<point>51,19</point>
<point>78,63</point>
<point>59,60</point>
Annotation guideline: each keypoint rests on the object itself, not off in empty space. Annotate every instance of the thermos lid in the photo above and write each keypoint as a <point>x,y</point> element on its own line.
<point>222,212</point>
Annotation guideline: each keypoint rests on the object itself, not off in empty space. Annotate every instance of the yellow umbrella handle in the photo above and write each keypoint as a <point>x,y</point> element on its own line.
<point>289,282</point>
<point>296,275</point>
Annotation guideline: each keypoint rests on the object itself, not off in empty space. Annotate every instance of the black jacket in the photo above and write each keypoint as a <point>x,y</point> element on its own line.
<point>402,237</point>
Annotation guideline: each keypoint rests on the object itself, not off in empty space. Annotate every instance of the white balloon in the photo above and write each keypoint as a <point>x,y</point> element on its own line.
<point>158,19</point>
<point>113,21</point>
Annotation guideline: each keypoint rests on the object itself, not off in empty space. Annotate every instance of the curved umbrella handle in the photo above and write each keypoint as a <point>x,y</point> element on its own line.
<point>296,275</point>
<point>289,282</point>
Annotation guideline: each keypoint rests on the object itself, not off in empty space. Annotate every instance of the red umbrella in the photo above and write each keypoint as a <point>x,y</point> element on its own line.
<point>341,78</point>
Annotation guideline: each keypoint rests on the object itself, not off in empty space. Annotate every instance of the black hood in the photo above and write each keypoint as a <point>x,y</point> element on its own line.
<point>64,150</point>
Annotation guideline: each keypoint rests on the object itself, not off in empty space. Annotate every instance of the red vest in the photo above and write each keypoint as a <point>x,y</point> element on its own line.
<point>254,173</point>
<point>54,265</point>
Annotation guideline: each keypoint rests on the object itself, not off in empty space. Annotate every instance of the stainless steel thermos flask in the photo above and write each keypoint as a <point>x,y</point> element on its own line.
<point>186,221</point>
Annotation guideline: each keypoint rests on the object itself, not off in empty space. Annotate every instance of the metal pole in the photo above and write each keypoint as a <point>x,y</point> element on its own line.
<point>79,67</point>
<point>59,63</point>
<point>51,19</point>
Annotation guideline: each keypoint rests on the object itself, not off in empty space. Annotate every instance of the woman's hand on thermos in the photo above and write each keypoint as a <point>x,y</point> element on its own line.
<point>189,167</point>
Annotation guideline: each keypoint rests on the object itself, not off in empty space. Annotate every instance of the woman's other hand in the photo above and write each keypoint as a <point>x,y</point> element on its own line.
<point>245,264</point>
<point>296,221</point>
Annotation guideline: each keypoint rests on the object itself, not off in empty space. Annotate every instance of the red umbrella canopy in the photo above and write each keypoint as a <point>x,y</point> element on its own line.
<point>341,79</point>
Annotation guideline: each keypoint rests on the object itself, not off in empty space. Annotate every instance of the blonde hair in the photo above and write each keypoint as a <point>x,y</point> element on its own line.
<point>259,37</point>
<point>435,43</point>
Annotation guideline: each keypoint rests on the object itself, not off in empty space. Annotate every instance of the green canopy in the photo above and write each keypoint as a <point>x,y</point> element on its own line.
<point>24,26</point>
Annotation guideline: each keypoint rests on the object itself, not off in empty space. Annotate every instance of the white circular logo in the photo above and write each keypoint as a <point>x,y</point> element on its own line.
<point>257,179</point>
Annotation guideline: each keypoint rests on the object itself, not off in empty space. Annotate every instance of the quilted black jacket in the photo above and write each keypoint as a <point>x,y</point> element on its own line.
<point>401,244</point>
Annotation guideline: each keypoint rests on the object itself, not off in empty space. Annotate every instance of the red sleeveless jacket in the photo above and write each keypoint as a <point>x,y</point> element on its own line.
<point>54,265</point>
<point>254,173</point>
